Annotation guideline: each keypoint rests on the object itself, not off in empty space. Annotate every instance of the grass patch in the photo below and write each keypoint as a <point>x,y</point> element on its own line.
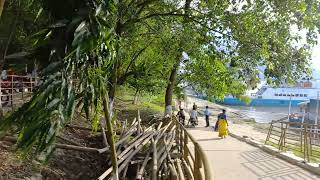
<point>149,105</point>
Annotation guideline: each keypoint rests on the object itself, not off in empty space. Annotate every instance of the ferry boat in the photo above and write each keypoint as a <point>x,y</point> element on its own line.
<point>284,95</point>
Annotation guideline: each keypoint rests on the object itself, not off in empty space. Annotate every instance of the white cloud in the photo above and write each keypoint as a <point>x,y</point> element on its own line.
<point>316,56</point>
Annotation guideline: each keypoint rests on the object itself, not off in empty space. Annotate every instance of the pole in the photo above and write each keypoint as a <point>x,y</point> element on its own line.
<point>316,119</point>
<point>289,109</point>
<point>317,110</point>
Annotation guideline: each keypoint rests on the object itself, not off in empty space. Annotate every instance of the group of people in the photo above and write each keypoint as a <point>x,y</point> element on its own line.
<point>221,124</point>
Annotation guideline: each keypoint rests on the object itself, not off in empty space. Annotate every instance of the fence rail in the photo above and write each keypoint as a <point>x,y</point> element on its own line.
<point>302,139</point>
<point>196,158</point>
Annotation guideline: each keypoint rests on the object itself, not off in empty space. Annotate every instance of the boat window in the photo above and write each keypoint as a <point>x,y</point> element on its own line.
<point>301,95</point>
<point>284,95</point>
<point>297,95</point>
<point>305,95</point>
<point>289,95</point>
<point>276,94</point>
<point>280,94</point>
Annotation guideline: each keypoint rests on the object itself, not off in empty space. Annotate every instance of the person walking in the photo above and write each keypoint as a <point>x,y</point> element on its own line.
<point>223,124</point>
<point>195,107</point>
<point>207,113</point>
<point>194,117</point>
<point>181,115</point>
<point>195,111</point>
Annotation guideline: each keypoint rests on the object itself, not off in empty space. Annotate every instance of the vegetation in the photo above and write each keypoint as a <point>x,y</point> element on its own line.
<point>216,47</point>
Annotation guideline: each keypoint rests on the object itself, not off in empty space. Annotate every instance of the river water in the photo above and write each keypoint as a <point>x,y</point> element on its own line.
<point>265,114</point>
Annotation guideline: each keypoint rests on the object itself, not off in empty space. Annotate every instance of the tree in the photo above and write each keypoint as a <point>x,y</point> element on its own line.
<point>109,43</point>
<point>246,35</point>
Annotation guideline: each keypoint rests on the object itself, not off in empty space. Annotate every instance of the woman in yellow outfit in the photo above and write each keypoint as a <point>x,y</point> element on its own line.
<point>223,124</point>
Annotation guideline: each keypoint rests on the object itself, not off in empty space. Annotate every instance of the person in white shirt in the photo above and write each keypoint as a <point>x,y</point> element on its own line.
<point>4,74</point>
<point>194,116</point>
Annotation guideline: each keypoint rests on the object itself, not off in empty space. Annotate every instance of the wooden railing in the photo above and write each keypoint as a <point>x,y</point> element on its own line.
<point>196,159</point>
<point>301,138</point>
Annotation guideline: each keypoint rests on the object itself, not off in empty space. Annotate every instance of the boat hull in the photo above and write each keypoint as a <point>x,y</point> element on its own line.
<point>261,102</point>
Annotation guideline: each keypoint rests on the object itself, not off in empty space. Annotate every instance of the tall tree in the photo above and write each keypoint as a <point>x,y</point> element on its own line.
<point>105,43</point>
<point>246,35</point>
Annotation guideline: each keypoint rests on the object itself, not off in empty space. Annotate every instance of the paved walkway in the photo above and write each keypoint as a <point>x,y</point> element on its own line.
<point>235,160</point>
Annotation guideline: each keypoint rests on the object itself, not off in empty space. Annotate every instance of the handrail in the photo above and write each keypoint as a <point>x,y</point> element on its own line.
<point>201,159</point>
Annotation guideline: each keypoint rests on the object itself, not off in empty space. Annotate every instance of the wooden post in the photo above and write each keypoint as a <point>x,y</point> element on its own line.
<point>284,137</point>
<point>281,138</point>
<point>173,173</point>
<point>181,138</point>
<point>310,140</point>
<point>138,119</point>
<point>31,84</point>
<point>179,169</point>
<point>0,96</point>
<point>269,133</point>
<point>197,163</point>
<point>305,142</point>
<point>177,133</point>
<point>185,146</point>
<point>22,92</point>
<point>301,137</point>
<point>11,93</point>
<point>154,160</point>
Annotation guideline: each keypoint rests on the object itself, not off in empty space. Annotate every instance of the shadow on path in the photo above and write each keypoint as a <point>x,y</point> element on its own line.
<point>267,167</point>
<point>209,139</point>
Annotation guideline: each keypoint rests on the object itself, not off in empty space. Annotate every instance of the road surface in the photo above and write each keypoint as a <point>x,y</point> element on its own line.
<point>232,159</point>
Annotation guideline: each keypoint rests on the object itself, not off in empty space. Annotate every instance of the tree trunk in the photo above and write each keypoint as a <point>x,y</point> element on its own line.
<point>110,138</point>
<point>135,99</point>
<point>170,88</point>
<point>174,71</point>
<point>112,86</point>
<point>1,7</point>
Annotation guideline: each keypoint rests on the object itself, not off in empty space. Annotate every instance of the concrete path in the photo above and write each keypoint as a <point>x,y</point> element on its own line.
<point>235,160</point>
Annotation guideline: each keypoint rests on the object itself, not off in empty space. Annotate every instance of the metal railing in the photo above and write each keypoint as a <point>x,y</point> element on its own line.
<point>302,139</point>
<point>196,159</point>
<point>16,89</point>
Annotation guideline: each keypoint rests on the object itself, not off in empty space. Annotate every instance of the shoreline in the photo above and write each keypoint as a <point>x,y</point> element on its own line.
<point>239,122</point>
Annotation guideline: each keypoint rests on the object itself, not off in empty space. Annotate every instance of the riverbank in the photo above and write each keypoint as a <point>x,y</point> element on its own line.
<point>239,122</point>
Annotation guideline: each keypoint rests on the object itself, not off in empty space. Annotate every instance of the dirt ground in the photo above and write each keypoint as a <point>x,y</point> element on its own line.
<point>67,164</point>
<point>64,164</point>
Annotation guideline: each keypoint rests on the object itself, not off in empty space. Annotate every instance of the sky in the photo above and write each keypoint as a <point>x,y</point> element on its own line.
<point>316,56</point>
<point>316,61</point>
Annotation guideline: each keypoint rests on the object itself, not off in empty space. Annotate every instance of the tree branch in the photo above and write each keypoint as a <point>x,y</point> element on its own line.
<point>172,13</point>
<point>126,74</point>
